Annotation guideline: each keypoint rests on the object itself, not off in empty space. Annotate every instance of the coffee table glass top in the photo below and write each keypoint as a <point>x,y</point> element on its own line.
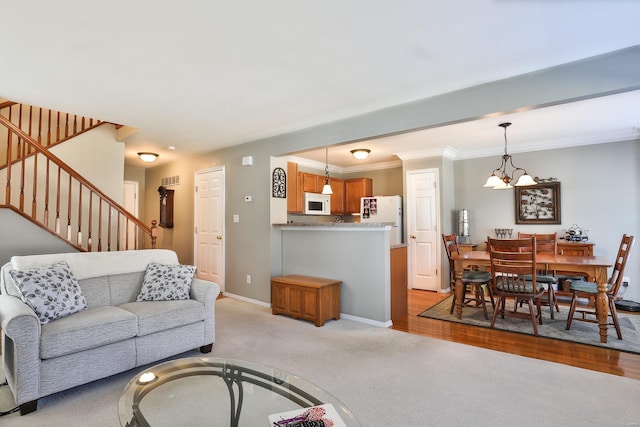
<point>222,392</point>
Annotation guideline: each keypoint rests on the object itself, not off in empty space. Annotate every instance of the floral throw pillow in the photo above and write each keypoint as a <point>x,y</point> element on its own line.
<point>164,282</point>
<point>52,291</point>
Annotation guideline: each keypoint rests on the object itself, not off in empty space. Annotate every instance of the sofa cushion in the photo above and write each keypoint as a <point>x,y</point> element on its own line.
<point>51,291</point>
<point>86,330</point>
<point>166,282</point>
<point>96,291</point>
<point>155,316</point>
<point>125,287</point>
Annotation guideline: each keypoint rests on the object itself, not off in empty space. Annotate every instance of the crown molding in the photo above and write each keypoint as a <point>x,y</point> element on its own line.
<point>446,152</point>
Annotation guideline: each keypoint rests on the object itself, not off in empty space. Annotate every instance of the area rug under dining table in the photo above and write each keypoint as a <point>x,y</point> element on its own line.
<point>580,332</point>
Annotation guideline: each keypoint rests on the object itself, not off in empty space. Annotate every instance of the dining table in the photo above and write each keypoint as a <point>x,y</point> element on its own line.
<point>593,267</point>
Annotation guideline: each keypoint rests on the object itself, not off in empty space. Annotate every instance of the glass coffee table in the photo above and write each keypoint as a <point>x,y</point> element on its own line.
<point>223,392</point>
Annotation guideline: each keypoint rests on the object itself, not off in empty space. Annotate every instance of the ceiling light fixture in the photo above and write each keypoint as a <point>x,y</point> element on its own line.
<point>148,157</point>
<point>502,180</point>
<point>360,153</point>
<point>327,188</point>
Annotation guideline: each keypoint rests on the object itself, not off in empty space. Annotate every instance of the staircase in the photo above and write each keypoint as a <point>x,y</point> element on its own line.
<point>49,193</point>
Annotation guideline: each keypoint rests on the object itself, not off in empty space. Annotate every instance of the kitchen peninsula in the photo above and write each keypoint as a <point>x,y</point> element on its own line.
<point>358,254</point>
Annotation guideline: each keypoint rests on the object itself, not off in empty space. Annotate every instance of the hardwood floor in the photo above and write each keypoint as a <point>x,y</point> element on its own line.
<point>583,356</point>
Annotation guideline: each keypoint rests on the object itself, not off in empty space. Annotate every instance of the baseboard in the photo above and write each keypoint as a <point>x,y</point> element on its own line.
<point>249,300</point>
<point>386,324</point>
<point>342,315</point>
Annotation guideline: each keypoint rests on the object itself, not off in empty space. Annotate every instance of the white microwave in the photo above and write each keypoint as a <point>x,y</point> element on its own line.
<point>317,204</point>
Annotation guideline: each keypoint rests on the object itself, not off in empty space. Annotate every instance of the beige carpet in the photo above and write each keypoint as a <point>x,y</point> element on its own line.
<point>386,377</point>
<point>581,332</point>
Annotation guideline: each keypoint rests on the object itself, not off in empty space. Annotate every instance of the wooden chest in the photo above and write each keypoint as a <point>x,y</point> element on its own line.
<point>306,297</point>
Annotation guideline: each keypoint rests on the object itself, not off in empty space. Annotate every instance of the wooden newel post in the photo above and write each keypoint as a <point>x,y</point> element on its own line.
<point>154,233</point>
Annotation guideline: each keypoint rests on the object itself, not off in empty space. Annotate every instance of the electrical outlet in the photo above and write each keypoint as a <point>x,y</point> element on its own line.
<point>248,279</point>
<point>626,281</point>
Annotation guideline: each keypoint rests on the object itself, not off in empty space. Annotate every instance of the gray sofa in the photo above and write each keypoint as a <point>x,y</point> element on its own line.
<point>114,334</point>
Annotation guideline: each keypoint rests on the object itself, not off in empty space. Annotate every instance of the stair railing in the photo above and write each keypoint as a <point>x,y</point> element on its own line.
<point>64,202</point>
<point>47,127</point>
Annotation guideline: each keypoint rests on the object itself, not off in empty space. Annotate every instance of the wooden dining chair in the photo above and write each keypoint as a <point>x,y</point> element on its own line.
<point>584,289</point>
<point>471,280</point>
<point>546,243</point>
<point>512,260</point>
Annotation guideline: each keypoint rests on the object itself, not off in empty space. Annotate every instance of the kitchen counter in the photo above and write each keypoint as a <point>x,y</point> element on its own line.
<point>358,254</point>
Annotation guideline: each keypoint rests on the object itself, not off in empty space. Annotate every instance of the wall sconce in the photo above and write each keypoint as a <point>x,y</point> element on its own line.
<point>360,153</point>
<point>148,157</point>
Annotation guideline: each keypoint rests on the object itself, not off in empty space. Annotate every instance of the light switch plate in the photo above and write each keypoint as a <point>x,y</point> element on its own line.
<point>236,218</point>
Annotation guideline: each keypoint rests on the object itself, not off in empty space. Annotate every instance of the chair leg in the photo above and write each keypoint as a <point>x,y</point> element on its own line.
<point>552,300</point>
<point>538,302</point>
<point>453,301</point>
<point>493,303</point>
<point>572,309</point>
<point>495,311</point>
<point>533,316</point>
<point>614,315</point>
<point>480,297</point>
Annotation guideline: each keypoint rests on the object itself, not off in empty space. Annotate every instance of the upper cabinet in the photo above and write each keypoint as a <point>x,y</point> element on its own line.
<point>337,198</point>
<point>354,190</point>
<point>312,183</point>
<point>346,193</point>
<point>292,188</point>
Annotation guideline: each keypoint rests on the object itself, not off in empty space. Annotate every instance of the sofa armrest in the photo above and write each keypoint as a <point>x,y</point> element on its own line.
<point>22,354</point>
<point>206,292</point>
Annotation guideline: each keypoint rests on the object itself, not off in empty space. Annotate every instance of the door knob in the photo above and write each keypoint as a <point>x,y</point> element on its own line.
<point>413,236</point>
<point>219,237</point>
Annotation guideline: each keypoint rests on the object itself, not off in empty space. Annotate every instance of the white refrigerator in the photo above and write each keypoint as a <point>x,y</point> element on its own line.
<point>384,209</point>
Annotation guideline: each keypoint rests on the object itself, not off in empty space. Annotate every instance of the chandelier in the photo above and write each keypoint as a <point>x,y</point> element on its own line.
<point>500,179</point>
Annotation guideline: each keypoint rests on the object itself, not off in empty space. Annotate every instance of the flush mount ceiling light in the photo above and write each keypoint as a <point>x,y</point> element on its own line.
<point>148,157</point>
<point>500,179</point>
<point>327,188</point>
<point>360,153</point>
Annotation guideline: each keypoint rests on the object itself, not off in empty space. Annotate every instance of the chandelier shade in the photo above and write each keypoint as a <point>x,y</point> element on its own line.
<point>500,178</point>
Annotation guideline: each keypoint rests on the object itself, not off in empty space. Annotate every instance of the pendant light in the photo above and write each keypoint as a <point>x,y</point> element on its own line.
<point>327,188</point>
<point>500,179</point>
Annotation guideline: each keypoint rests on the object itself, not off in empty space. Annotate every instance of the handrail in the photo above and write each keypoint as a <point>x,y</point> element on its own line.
<point>115,224</point>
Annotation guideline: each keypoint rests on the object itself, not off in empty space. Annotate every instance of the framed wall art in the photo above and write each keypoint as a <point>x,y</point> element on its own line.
<point>538,204</point>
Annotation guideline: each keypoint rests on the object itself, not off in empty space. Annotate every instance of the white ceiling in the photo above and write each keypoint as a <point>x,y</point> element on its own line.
<point>202,75</point>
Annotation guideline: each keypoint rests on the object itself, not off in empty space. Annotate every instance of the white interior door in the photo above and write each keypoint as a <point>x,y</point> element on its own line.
<point>130,203</point>
<point>209,225</point>
<point>423,226</point>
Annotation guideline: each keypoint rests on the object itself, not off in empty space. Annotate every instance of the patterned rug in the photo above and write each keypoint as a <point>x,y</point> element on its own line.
<point>581,332</point>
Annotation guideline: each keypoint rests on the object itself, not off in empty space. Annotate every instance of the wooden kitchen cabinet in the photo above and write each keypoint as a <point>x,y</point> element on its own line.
<point>354,190</point>
<point>399,282</point>
<point>337,198</point>
<point>305,297</point>
<point>312,183</point>
<point>294,204</point>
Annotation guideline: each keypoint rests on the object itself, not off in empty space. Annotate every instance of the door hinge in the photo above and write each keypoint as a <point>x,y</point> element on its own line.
<point>196,188</point>
<point>195,229</point>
